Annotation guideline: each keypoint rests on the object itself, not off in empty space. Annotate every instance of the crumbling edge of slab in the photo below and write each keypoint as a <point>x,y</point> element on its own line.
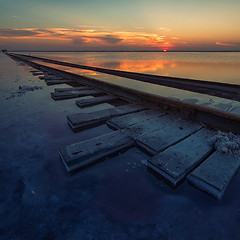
<point>95,158</point>
<point>146,148</point>
<point>112,125</point>
<point>209,188</point>
<point>206,187</point>
<point>86,125</point>
<point>176,181</point>
<point>173,182</point>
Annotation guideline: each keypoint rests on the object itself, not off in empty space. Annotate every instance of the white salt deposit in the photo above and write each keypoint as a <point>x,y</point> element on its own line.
<point>23,89</point>
<point>26,88</point>
<point>226,142</point>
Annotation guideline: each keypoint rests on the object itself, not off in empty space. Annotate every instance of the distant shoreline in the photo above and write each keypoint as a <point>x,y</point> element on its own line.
<point>113,51</point>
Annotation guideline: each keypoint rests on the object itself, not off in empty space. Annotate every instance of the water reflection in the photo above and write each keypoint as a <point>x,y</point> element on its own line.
<point>219,67</point>
<point>217,72</point>
<point>168,92</point>
<point>146,66</point>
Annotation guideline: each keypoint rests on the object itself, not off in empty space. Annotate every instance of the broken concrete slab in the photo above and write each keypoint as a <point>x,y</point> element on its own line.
<point>177,161</point>
<point>72,89</point>
<point>159,140</point>
<point>84,153</point>
<point>215,173</point>
<point>82,103</point>
<point>133,118</point>
<point>81,121</point>
<point>74,94</point>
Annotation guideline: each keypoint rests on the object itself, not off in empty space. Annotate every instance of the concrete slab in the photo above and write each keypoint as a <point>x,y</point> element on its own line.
<point>45,77</point>
<point>49,76</point>
<point>83,153</point>
<point>214,174</point>
<point>177,161</point>
<point>58,78</point>
<point>52,76</point>
<point>74,94</point>
<point>159,140</point>
<point>82,103</point>
<point>133,118</point>
<point>151,125</point>
<point>56,82</point>
<point>81,121</point>
<point>72,89</point>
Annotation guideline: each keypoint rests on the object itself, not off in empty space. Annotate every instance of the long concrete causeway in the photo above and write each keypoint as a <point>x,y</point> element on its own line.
<point>175,135</point>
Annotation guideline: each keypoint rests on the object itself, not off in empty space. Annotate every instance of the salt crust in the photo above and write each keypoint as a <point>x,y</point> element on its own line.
<point>226,142</point>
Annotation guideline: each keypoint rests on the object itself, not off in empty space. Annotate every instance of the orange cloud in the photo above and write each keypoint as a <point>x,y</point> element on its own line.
<point>95,36</point>
<point>231,44</point>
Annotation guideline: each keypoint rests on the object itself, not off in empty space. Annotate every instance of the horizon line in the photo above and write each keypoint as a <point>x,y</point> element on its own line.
<point>121,51</point>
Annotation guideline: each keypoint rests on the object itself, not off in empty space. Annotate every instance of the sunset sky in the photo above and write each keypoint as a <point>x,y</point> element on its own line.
<point>172,25</point>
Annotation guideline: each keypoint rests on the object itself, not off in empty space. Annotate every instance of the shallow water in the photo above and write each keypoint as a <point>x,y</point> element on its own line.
<point>211,66</point>
<point>118,198</point>
<point>222,104</point>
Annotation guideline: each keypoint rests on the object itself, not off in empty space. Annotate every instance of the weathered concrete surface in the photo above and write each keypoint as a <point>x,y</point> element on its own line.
<point>214,174</point>
<point>133,118</point>
<point>177,161</point>
<point>83,153</point>
<point>86,120</point>
<point>151,125</point>
<point>74,94</point>
<point>71,89</point>
<point>82,103</point>
<point>56,82</point>
<point>159,140</point>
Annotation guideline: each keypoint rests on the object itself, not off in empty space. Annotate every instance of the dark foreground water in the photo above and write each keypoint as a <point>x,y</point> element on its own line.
<point>117,198</point>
